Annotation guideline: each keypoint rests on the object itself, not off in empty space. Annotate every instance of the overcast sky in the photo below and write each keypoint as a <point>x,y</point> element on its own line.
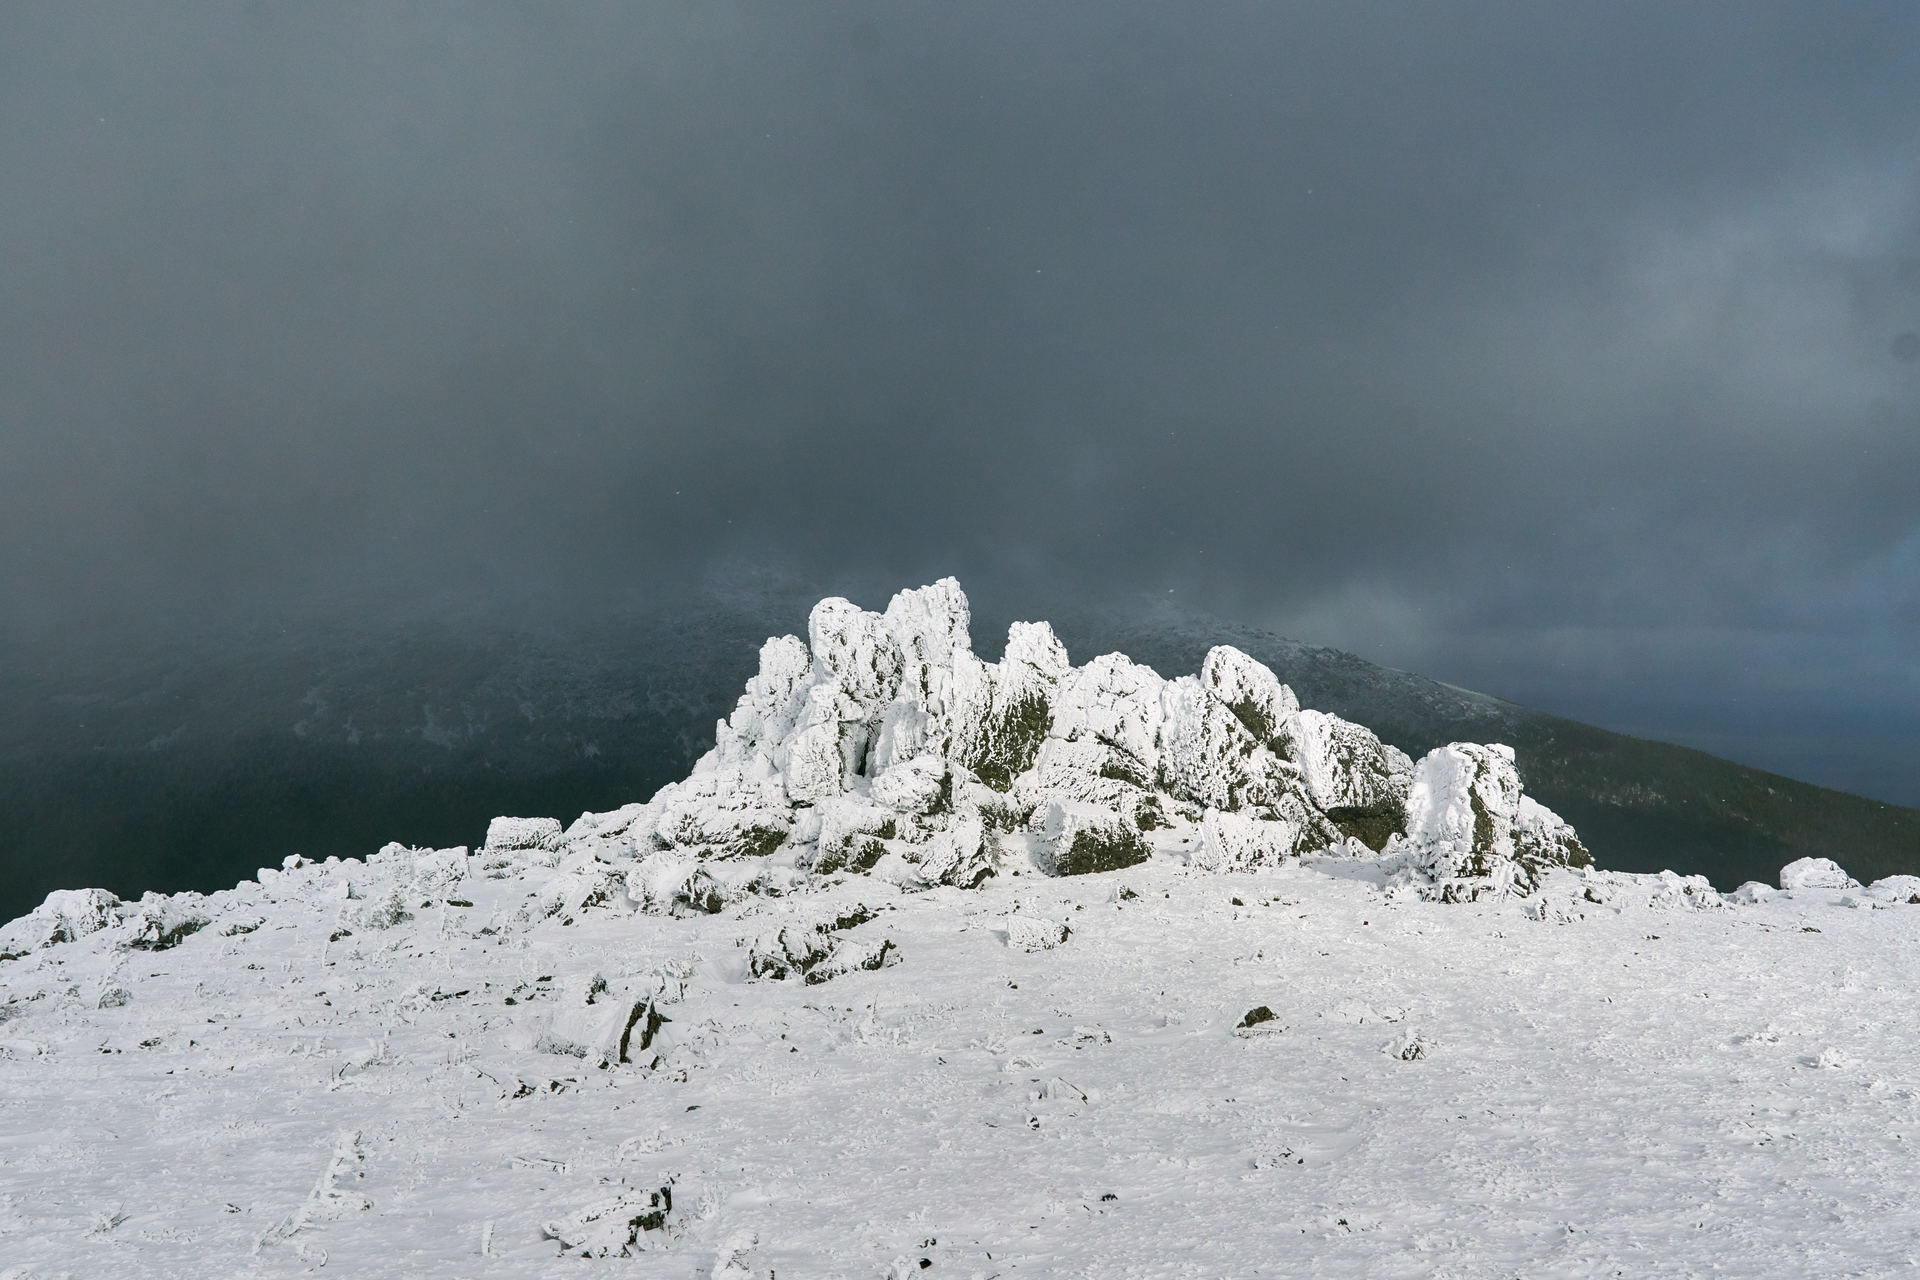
<point>1561,351</point>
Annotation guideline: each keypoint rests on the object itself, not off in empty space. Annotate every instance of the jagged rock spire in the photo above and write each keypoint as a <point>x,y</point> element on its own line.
<point>883,744</point>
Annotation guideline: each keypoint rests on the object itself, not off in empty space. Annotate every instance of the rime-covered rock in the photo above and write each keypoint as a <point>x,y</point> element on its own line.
<point>1816,873</point>
<point>815,954</point>
<point>883,745</point>
<point>1078,839</point>
<point>1358,781</point>
<point>675,883</point>
<point>604,1022</point>
<point>1240,842</point>
<point>160,922</point>
<point>1250,691</point>
<point>506,835</point>
<point>963,855</point>
<point>66,914</point>
<point>1471,830</point>
<point>1035,933</point>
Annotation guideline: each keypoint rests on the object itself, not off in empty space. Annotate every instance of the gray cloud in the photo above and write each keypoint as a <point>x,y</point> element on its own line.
<point>1552,351</point>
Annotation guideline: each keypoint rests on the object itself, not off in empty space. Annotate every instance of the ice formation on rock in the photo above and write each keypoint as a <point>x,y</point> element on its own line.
<point>883,745</point>
<point>1815,873</point>
<point>1471,829</point>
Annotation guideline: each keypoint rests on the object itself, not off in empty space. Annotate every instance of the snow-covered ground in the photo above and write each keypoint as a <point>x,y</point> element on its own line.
<point>976,969</point>
<point>1657,1083</point>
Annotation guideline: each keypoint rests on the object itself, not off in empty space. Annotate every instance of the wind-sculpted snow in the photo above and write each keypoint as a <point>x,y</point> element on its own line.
<point>883,745</point>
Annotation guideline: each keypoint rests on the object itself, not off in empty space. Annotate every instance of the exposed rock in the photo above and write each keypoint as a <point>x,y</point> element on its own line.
<point>1473,833</point>
<point>1078,839</point>
<point>617,1228</point>
<point>159,922</point>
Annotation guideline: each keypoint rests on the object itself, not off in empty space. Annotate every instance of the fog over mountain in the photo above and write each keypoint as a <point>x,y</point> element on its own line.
<point>1567,355</point>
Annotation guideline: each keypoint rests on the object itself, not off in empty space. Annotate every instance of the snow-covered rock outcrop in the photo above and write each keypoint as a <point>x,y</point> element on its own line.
<point>1815,873</point>
<point>883,745</point>
<point>1472,831</point>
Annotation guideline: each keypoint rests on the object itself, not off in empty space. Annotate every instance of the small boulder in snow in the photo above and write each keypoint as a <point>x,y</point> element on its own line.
<point>1896,889</point>
<point>1035,933</point>
<point>618,1228</point>
<point>600,1021</point>
<point>514,834</point>
<point>815,955</point>
<point>1259,1021</point>
<point>159,922</point>
<point>1815,873</point>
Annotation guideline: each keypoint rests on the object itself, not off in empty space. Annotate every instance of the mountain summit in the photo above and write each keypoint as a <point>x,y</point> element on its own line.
<point>883,744</point>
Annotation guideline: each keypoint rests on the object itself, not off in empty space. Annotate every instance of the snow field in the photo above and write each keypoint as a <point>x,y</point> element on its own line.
<point>1652,1084</point>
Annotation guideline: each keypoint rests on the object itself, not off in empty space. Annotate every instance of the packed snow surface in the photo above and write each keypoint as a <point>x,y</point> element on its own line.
<point>946,967</point>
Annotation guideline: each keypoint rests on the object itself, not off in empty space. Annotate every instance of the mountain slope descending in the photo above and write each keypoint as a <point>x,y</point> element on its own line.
<point>1638,805</point>
<point>397,1068</point>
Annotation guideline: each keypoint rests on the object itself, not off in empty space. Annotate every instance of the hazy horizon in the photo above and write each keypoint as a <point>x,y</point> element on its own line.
<point>1565,355</point>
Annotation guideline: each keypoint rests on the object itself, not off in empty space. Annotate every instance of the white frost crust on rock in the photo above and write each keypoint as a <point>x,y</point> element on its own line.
<point>1896,889</point>
<point>1203,747</point>
<point>1815,873</point>
<point>1248,689</point>
<point>962,855</point>
<point>1112,700</point>
<point>1236,842</point>
<point>506,835</point>
<point>1035,933</point>
<point>1077,839</point>
<point>1345,766</point>
<point>883,745</point>
<point>1473,833</point>
<point>66,914</point>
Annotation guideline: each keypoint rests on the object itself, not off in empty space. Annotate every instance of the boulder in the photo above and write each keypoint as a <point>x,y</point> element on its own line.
<point>507,835</point>
<point>1815,873</point>
<point>1079,839</point>
<point>1471,830</point>
<point>66,915</point>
